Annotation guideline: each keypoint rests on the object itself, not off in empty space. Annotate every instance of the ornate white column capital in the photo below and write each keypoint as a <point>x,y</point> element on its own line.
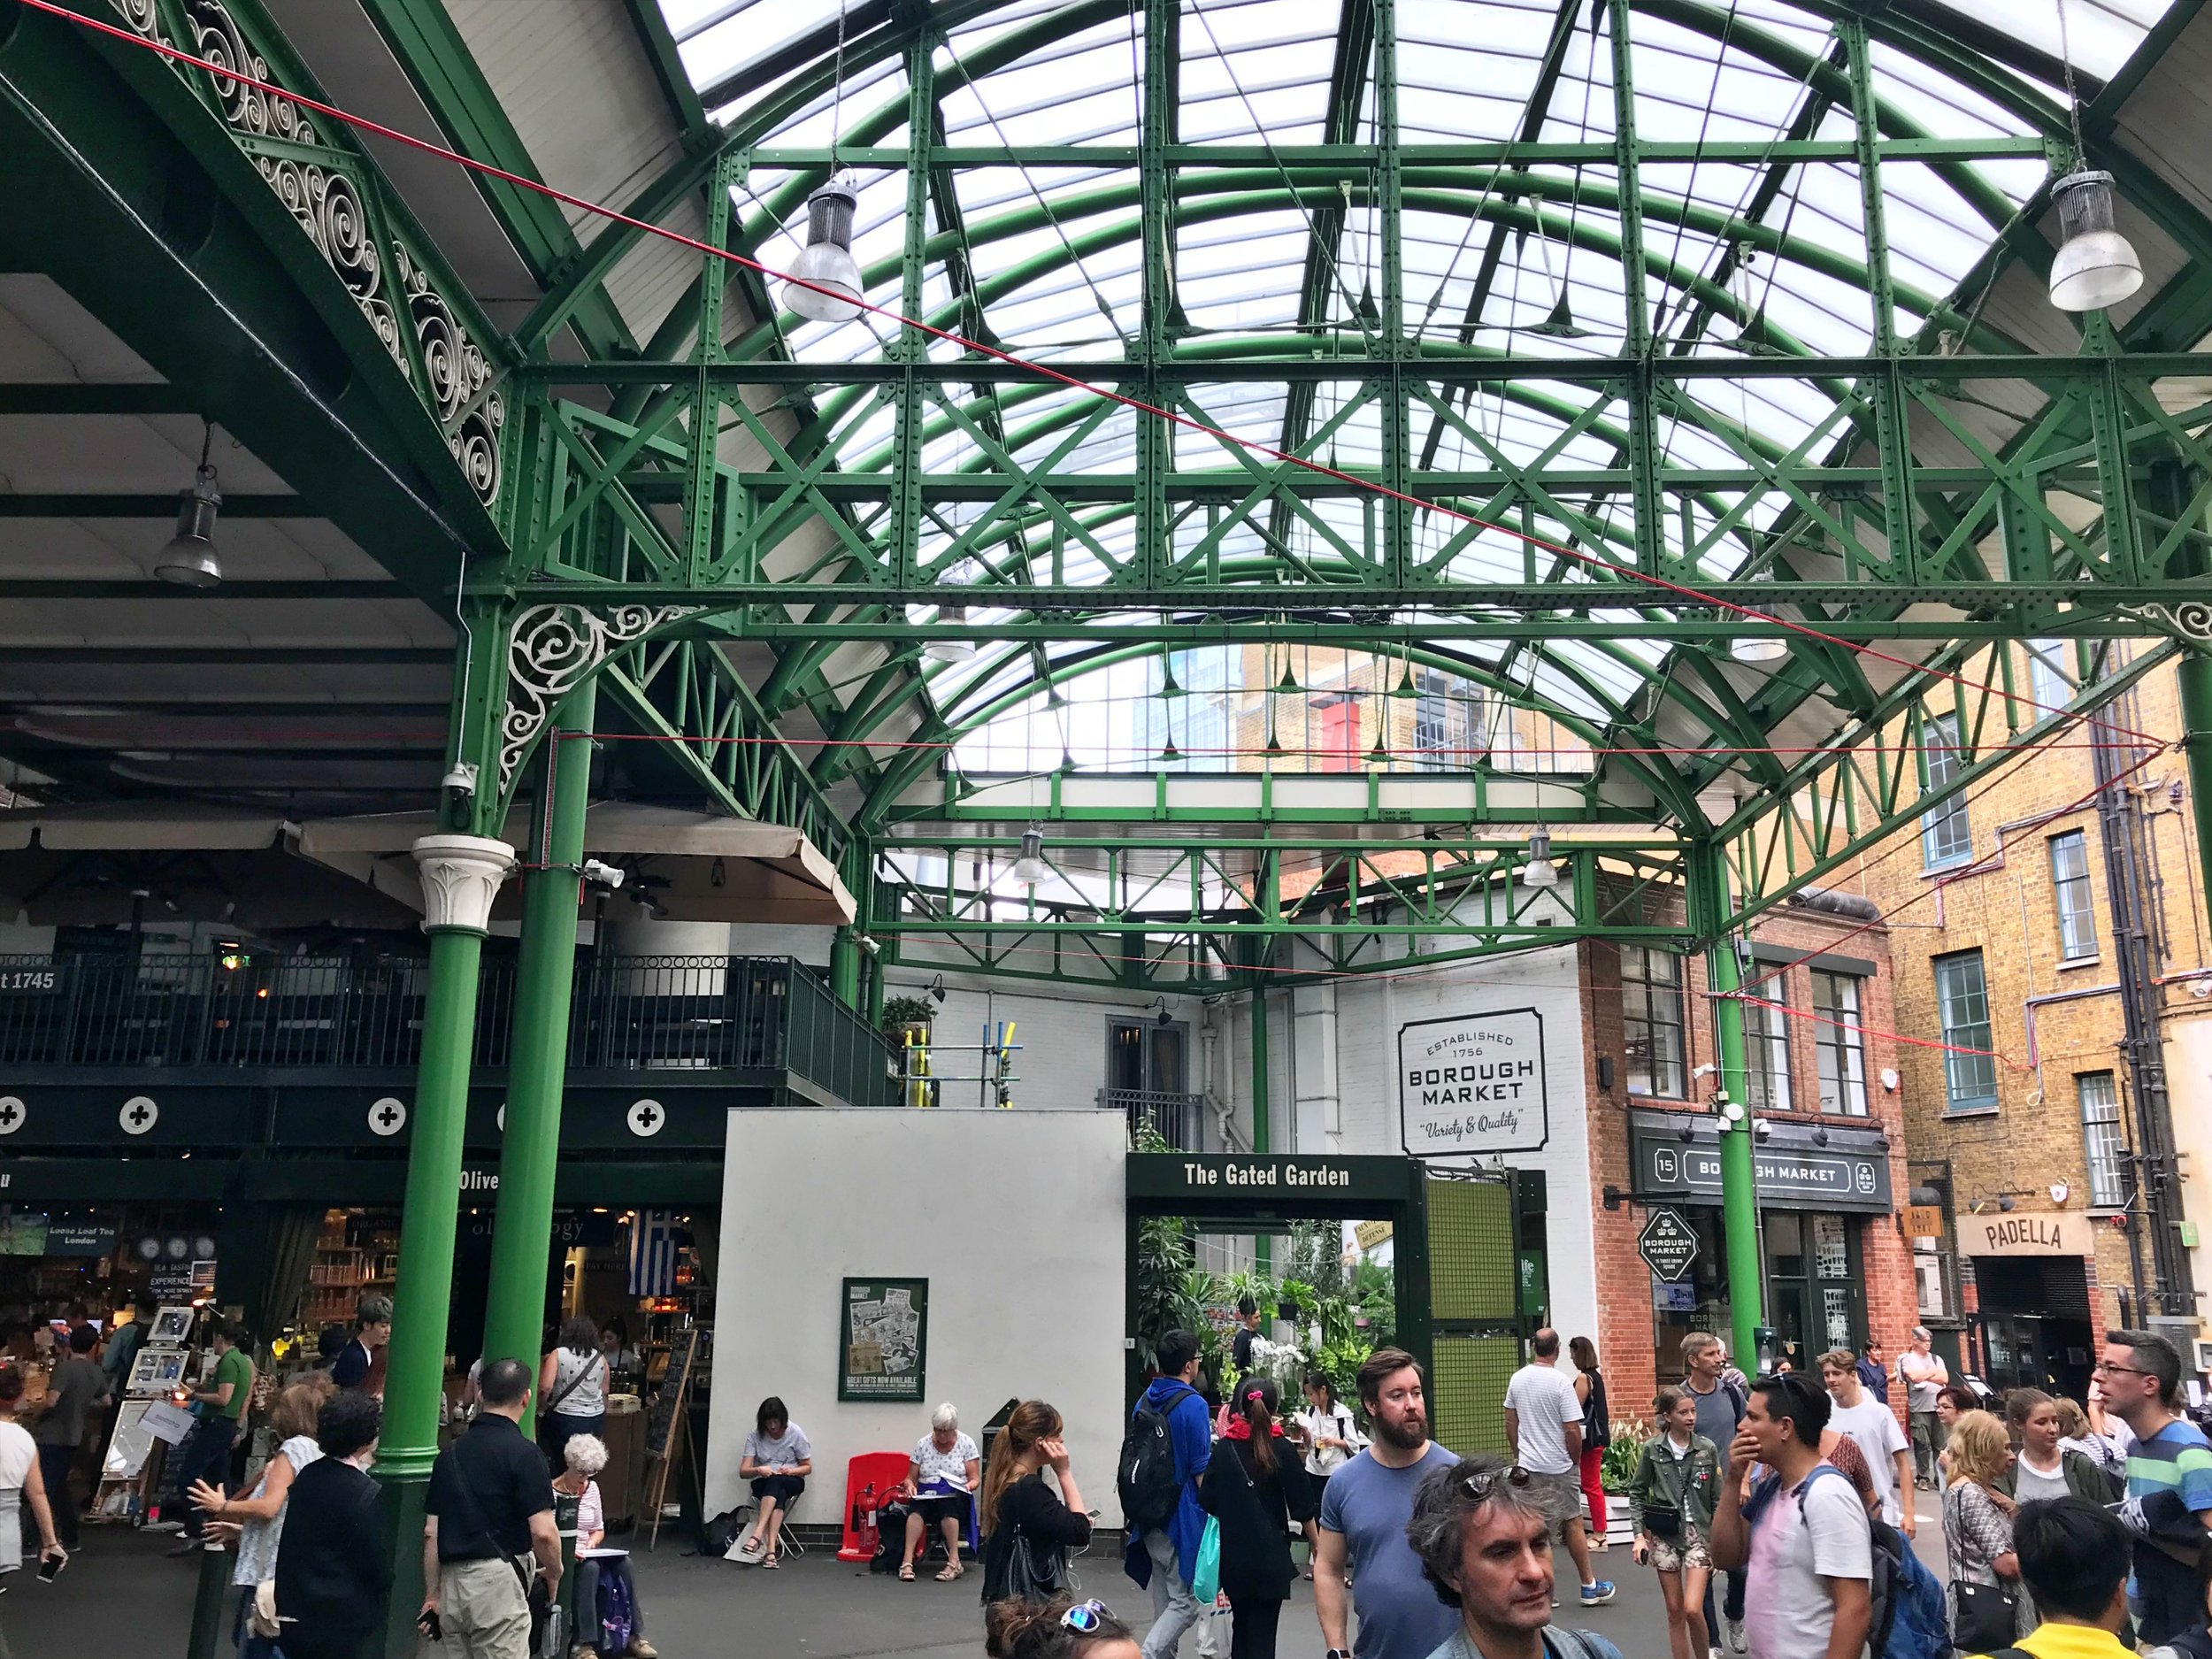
<point>460,877</point>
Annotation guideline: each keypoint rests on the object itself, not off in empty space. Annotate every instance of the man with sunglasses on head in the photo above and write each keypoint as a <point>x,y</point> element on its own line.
<point>1805,1539</point>
<point>2169,1504</point>
<point>1482,1532</point>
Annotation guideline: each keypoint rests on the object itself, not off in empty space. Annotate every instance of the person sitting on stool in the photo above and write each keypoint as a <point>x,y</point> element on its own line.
<point>946,1471</point>
<point>585,1455</point>
<point>777,1458</point>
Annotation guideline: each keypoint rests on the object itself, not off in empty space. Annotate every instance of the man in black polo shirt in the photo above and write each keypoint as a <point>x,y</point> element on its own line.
<point>490,1507</point>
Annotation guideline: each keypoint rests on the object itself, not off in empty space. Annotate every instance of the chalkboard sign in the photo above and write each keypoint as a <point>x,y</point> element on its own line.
<point>883,1332</point>
<point>664,1425</point>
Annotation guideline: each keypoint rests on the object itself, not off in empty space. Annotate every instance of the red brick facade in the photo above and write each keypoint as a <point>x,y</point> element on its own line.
<point>1627,1334</point>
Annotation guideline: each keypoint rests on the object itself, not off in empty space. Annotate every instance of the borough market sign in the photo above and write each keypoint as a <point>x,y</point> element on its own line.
<point>1473,1086</point>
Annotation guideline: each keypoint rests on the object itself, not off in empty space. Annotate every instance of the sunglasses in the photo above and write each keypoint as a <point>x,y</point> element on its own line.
<point>1480,1484</point>
<point>1085,1617</point>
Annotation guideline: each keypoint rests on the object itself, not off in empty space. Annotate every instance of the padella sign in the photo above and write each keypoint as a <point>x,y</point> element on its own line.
<point>1473,1086</point>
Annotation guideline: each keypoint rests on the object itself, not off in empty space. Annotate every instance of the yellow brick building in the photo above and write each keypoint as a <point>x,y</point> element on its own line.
<point>2002,908</point>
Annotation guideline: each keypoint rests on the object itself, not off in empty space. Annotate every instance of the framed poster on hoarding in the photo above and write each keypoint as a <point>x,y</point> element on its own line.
<point>883,1339</point>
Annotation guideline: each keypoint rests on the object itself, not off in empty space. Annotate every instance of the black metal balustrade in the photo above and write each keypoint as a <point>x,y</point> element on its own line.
<point>628,1013</point>
<point>1176,1118</point>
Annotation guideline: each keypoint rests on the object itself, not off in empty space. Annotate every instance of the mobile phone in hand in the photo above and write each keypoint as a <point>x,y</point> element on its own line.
<point>429,1626</point>
<point>50,1567</point>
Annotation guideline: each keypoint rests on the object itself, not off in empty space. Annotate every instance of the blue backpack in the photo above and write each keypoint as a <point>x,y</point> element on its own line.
<point>618,1607</point>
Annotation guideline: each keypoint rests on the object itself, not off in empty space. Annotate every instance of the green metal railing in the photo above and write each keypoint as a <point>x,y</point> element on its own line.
<point>629,1013</point>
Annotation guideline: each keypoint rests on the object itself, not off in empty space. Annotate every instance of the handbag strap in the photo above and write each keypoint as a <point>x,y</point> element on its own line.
<point>575,1382</point>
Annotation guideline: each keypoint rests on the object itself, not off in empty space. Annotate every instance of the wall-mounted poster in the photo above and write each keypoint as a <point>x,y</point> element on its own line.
<point>1473,1086</point>
<point>883,1326</point>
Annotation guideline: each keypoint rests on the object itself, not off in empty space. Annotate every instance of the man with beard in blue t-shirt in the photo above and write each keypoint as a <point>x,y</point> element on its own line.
<point>1363,1515</point>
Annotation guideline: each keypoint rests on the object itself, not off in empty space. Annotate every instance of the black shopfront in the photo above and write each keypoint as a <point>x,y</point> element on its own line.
<point>1818,1187</point>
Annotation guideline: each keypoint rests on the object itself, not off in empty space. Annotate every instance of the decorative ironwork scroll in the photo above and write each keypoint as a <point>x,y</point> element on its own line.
<point>325,192</point>
<point>553,649</point>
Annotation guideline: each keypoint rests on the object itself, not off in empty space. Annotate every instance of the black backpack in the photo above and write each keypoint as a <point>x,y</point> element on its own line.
<point>1144,1475</point>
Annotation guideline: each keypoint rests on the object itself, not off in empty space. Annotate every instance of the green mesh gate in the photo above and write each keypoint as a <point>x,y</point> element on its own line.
<point>1475,1329</point>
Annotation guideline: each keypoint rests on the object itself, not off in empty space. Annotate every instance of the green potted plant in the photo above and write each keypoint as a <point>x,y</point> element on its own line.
<point>903,1014</point>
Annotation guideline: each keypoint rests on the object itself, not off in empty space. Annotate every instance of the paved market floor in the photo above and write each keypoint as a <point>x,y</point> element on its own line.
<point>817,1607</point>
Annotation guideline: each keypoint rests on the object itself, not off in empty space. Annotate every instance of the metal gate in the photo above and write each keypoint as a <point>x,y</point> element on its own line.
<point>1474,1306</point>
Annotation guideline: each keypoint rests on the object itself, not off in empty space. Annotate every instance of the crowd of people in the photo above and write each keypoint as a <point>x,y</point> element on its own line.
<point>508,1520</point>
<point>2071,1530</point>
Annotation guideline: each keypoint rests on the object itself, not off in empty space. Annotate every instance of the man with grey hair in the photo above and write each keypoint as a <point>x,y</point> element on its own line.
<point>1925,1376</point>
<point>1482,1534</point>
<point>1721,1401</point>
<point>372,1329</point>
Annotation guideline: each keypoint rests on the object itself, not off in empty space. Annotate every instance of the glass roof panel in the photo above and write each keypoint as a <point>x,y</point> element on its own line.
<point>1743,253</point>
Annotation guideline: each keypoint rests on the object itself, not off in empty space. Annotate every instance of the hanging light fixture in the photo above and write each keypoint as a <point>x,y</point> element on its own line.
<point>1758,647</point>
<point>1031,868</point>
<point>1539,872</point>
<point>826,262</point>
<point>2096,265</point>
<point>189,560</point>
<point>950,650</point>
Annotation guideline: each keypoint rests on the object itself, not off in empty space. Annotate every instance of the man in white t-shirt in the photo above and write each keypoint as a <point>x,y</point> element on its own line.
<point>1802,1532</point>
<point>1543,1429</point>
<point>1858,1414</point>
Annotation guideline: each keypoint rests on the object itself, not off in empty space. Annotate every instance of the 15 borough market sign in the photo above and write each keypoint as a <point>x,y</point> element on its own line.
<point>1473,1086</point>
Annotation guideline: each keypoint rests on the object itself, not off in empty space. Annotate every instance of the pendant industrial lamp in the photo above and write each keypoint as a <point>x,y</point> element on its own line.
<point>2095,266</point>
<point>825,284</point>
<point>1539,872</point>
<point>1031,868</point>
<point>950,650</point>
<point>189,560</point>
<point>1758,649</point>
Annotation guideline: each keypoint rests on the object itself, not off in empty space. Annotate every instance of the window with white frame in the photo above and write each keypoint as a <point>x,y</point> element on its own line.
<point>2101,1143</point>
<point>1766,1057</point>
<point>1839,1042</point>
<point>2072,898</point>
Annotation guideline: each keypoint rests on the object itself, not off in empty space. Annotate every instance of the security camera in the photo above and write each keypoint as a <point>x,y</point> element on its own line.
<point>605,874</point>
<point>461,777</point>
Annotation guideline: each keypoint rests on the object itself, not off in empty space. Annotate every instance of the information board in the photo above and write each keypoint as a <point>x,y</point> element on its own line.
<point>883,1326</point>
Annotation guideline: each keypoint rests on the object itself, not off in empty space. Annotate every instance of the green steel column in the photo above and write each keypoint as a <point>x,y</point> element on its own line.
<point>460,876</point>
<point>1709,893</point>
<point>2196,743</point>
<point>545,975</point>
<point>1262,1248</point>
<point>844,968</point>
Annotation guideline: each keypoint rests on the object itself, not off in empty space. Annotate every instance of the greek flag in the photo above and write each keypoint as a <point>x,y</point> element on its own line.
<point>653,1253</point>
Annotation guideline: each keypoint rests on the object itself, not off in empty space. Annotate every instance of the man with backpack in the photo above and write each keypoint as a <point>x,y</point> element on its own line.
<point>1803,1541</point>
<point>1167,1448</point>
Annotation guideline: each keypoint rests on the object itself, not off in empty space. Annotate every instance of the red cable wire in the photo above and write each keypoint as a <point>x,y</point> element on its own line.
<point>1045,371</point>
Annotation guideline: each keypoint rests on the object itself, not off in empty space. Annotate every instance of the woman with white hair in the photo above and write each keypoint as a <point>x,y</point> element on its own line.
<point>940,1482</point>
<point>582,1519</point>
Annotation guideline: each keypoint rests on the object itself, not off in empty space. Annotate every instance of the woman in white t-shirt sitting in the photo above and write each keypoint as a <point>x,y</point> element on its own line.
<point>777,1458</point>
<point>939,1483</point>
<point>584,1456</point>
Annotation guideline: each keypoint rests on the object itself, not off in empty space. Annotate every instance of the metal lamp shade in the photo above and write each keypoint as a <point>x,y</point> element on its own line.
<point>2095,266</point>
<point>189,560</point>
<point>827,288</point>
<point>950,650</point>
